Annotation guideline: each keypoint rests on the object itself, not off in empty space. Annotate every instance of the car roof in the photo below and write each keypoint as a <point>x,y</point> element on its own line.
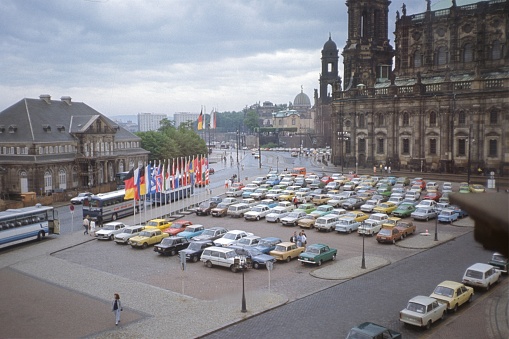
<point>424,300</point>
<point>450,284</point>
<point>480,267</point>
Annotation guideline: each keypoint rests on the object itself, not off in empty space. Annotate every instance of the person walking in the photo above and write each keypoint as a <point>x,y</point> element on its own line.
<point>86,224</point>
<point>116,306</point>
<point>295,202</point>
<point>92,228</point>
<point>226,183</point>
<point>293,238</point>
<point>304,238</point>
<point>299,240</point>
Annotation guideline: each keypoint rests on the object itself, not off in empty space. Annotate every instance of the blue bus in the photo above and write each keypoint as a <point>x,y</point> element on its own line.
<point>27,223</point>
<point>109,206</point>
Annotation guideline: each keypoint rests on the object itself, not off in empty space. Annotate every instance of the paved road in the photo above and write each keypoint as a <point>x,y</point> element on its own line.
<point>379,296</point>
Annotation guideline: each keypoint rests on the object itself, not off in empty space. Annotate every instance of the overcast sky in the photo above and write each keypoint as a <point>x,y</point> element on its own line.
<point>130,56</point>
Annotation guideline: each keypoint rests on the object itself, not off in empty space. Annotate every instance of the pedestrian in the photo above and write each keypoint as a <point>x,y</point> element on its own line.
<point>299,239</point>
<point>230,181</point>
<point>117,308</point>
<point>389,170</point>
<point>293,238</point>
<point>226,183</point>
<point>295,202</point>
<point>86,224</point>
<point>304,238</point>
<point>374,169</point>
<point>92,228</point>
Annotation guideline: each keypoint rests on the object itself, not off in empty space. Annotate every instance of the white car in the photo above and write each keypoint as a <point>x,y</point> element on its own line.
<point>422,311</point>
<point>481,275</point>
<point>287,205</point>
<point>276,214</point>
<point>127,233</point>
<point>258,212</point>
<point>370,227</point>
<point>293,218</point>
<point>427,204</point>
<point>109,230</point>
<point>79,199</point>
<point>250,240</point>
<point>231,237</point>
<point>369,205</point>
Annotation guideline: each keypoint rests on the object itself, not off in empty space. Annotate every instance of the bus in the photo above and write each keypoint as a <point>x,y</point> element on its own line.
<point>27,223</point>
<point>109,206</point>
<point>119,180</point>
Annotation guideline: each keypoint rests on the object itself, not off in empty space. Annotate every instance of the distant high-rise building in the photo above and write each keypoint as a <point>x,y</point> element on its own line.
<point>150,121</point>
<point>182,117</point>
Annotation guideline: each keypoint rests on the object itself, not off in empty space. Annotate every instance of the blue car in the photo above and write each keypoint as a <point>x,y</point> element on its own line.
<point>258,258</point>
<point>246,193</point>
<point>192,231</point>
<point>265,245</point>
<point>447,216</point>
<point>273,181</point>
<point>461,213</point>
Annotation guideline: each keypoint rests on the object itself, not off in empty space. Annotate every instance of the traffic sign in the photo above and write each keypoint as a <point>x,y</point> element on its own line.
<point>71,207</point>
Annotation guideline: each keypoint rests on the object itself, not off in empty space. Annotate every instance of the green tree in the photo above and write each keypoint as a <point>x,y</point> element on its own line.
<point>251,121</point>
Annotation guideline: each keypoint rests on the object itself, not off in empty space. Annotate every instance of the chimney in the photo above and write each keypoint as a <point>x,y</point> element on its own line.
<point>45,97</point>
<point>66,99</point>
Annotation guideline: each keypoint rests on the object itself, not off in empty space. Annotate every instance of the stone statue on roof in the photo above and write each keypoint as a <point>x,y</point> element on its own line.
<point>403,9</point>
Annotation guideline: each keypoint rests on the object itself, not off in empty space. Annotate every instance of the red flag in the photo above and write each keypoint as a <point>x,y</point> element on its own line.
<point>130,188</point>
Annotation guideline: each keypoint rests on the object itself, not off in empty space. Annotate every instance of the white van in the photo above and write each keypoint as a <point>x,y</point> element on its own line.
<point>220,256</point>
<point>238,210</point>
<point>327,222</point>
<point>481,275</point>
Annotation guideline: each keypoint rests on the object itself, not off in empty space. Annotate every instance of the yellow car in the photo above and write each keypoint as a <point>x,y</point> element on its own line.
<point>308,222</point>
<point>286,251</point>
<point>287,195</point>
<point>148,237</point>
<point>356,215</point>
<point>476,188</point>
<point>391,222</point>
<point>385,207</point>
<point>161,224</point>
<point>320,199</point>
<point>453,294</point>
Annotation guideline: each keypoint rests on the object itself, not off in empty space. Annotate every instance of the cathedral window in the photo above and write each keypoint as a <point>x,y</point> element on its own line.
<point>406,119</point>
<point>462,147</point>
<point>462,118</point>
<point>493,117</point>
<point>380,120</point>
<point>417,59</point>
<point>493,148</point>
<point>433,146</point>
<point>441,56</point>
<point>433,119</point>
<point>362,145</point>
<point>361,121</point>
<point>468,53</point>
<point>348,146</point>
<point>496,50</point>
<point>380,146</point>
<point>406,146</point>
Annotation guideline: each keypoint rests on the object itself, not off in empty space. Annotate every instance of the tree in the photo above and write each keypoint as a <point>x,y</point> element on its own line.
<point>251,121</point>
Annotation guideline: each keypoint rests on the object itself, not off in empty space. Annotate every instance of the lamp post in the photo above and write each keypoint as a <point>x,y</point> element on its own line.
<point>238,163</point>
<point>436,228</point>
<point>277,164</point>
<point>470,141</point>
<point>242,262</point>
<point>363,263</point>
<point>260,150</point>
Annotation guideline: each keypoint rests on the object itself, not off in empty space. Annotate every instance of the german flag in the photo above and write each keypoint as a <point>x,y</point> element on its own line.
<point>130,189</point>
<point>200,120</point>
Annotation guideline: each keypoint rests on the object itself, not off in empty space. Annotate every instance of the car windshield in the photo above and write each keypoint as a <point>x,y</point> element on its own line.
<point>258,209</point>
<point>208,233</point>
<point>244,241</point>
<point>323,209</point>
<point>178,226</point>
<point>293,215</point>
<point>145,234</point>
<point>128,231</point>
<point>312,250</point>
<point>222,205</point>
<point>205,204</point>
<point>498,257</point>
<point>474,274</point>
<point>445,291</point>
<point>82,194</point>
<point>415,307</point>
<point>421,210</point>
<point>192,229</point>
<point>355,334</point>
<point>167,241</point>
<point>280,248</point>
<point>230,236</point>
<point>384,231</point>
<point>195,246</point>
<point>108,227</point>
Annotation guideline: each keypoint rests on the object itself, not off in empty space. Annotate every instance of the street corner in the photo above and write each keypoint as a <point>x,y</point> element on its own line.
<point>349,268</point>
<point>425,240</point>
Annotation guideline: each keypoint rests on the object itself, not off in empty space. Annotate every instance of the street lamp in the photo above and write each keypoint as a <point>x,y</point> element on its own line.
<point>277,164</point>
<point>363,263</point>
<point>470,141</point>
<point>238,163</point>
<point>436,228</point>
<point>242,262</point>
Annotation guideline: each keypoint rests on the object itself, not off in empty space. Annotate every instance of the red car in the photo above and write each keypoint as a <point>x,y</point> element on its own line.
<point>420,182</point>
<point>433,196</point>
<point>326,180</point>
<point>177,226</point>
<point>238,184</point>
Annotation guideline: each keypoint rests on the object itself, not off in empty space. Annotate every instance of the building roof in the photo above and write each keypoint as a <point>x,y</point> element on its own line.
<point>302,99</point>
<point>46,120</point>
<point>284,114</point>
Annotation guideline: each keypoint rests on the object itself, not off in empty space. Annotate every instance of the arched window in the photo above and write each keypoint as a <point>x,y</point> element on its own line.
<point>496,50</point>
<point>62,179</point>
<point>406,119</point>
<point>493,117</point>
<point>433,119</point>
<point>468,53</point>
<point>380,119</point>
<point>441,56</point>
<point>48,181</point>
<point>462,118</point>
<point>417,59</point>
<point>361,121</point>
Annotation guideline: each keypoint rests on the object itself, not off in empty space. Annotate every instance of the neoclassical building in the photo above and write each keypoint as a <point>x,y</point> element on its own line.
<point>443,106</point>
<point>57,145</point>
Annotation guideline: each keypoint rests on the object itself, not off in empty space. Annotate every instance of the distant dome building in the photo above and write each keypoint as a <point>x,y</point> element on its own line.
<point>302,100</point>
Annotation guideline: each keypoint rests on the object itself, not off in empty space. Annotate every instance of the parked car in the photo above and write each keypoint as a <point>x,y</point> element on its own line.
<point>192,231</point>
<point>177,226</point>
<point>286,251</point>
<point>307,222</point>
<point>321,211</point>
<point>195,249</point>
<point>422,311</point>
<point>78,200</point>
<point>357,215</point>
<point>148,237</point>
<point>347,225</point>
<point>217,199</point>
<point>159,223</point>
<point>404,210</point>
<point>127,233</point>
<point>424,213</point>
<point>171,245</point>
<point>276,214</point>
<point>385,207</point>
<point>265,245</point>
<point>327,222</point>
<point>447,216</point>
<point>293,218</point>
<point>370,227</point>
<point>220,256</point>
<point>433,195</point>
<point>234,192</point>
<point>231,237</point>
<point>109,230</point>
<point>220,210</point>
<point>481,275</point>
<point>477,188</point>
<point>353,203</point>
<point>258,258</point>
<point>453,294</point>
<point>320,199</point>
<point>316,254</point>
<point>499,261</point>
<point>259,194</point>
<point>369,330</point>
<point>406,227</point>
<point>210,234</point>
<point>258,212</point>
<point>250,240</point>
<point>307,208</point>
<point>369,205</point>
<point>238,210</point>
<point>389,235</point>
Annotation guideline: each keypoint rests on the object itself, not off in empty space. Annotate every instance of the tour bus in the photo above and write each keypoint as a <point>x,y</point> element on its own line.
<point>27,223</point>
<point>109,206</point>
<point>119,180</point>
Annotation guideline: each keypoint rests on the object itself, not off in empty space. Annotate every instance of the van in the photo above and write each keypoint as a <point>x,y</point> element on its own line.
<point>382,217</point>
<point>238,210</point>
<point>481,275</point>
<point>327,222</point>
<point>299,171</point>
<point>219,256</point>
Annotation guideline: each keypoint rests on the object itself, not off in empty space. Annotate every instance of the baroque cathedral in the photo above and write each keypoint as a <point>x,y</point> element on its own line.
<point>442,106</point>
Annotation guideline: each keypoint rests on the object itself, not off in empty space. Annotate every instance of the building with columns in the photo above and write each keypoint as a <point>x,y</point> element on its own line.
<point>57,145</point>
<point>443,106</point>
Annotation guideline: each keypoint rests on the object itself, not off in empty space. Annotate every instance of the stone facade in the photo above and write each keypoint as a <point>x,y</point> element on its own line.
<point>443,107</point>
<point>49,146</point>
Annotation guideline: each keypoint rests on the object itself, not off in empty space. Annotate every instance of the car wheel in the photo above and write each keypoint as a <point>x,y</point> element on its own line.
<point>145,245</point>
<point>114,216</point>
<point>443,316</point>
<point>334,257</point>
<point>428,325</point>
<point>288,259</point>
<point>111,237</point>
<point>319,263</point>
<point>173,252</point>
<point>277,220</point>
<point>393,241</point>
<point>208,264</point>
<point>40,235</point>
<point>455,308</point>
<point>488,287</point>
<point>257,218</point>
<point>195,259</point>
<point>470,298</point>
<point>256,265</point>
<point>427,218</point>
<point>233,268</point>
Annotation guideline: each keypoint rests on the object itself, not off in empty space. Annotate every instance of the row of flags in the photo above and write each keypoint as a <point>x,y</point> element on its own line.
<point>166,175</point>
<point>213,120</point>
